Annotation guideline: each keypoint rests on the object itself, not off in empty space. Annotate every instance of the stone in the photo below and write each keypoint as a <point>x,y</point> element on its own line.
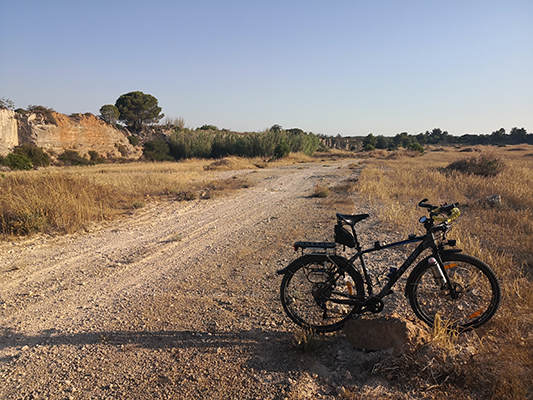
<point>494,200</point>
<point>386,332</point>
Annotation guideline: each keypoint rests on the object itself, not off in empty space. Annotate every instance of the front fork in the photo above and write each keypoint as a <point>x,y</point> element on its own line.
<point>441,276</point>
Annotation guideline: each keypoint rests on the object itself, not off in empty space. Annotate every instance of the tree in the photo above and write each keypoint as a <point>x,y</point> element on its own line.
<point>518,135</point>
<point>6,104</point>
<point>383,142</point>
<point>276,128</point>
<point>437,136</point>
<point>403,139</point>
<point>498,137</point>
<point>137,109</point>
<point>370,142</point>
<point>109,113</point>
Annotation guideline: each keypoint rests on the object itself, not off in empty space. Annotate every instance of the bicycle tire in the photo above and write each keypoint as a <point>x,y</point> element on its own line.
<point>312,285</point>
<point>477,286</point>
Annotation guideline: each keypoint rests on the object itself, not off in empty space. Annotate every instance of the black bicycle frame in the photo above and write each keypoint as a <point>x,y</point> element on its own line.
<point>427,242</point>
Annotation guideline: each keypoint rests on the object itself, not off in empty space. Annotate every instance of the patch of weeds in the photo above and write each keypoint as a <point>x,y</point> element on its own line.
<point>307,340</point>
<point>176,237</point>
<point>137,204</point>
<point>23,223</point>
<point>320,191</point>
<point>444,335</point>
<point>186,195</point>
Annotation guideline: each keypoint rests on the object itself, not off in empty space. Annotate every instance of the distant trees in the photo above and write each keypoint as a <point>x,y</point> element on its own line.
<point>439,137</point>
<point>109,113</point>
<point>137,109</point>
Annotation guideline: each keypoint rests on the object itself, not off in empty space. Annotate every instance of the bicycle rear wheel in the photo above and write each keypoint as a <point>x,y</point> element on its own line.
<point>474,282</point>
<point>316,289</point>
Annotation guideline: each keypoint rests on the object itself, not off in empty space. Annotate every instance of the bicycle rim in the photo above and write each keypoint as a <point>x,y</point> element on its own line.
<point>477,288</point>
<point>312,289</point>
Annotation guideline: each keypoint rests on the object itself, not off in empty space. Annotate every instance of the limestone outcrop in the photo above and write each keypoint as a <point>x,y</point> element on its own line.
<point>8,131</point>
<point>57,132</point>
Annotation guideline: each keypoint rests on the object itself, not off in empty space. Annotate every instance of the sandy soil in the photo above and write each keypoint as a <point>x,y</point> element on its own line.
<point>179,300</point>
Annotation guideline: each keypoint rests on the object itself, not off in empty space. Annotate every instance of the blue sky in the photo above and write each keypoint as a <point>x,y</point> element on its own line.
<point>332,67</point>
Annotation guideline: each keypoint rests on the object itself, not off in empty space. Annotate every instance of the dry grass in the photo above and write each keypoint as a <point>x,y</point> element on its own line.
<point>64,200</point>
<point>444,335</point>
<point>500,235</point>
<point>307,340</point>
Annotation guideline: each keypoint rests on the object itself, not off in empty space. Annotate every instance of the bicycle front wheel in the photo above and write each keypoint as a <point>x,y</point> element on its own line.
<point>319,292</point>
<point>474,282</point>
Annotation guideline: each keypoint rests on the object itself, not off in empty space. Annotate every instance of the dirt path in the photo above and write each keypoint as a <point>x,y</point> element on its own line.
<point>179,300</point>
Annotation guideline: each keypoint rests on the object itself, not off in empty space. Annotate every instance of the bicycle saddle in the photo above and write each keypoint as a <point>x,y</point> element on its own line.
<point>352,219</point>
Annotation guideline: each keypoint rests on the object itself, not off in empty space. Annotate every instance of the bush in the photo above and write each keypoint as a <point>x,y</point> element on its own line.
<point>36,154</point>
<point>369,147</point>
<point>71,157</point>
<point>95,158</point>
<point>17,161</point>
<point>157,150</point>
<point>134,140</point>
<point>44,112</point>
<point>416,147</point>
<point>320,191</point>
<point>282,150</point>
<point>480,165</point>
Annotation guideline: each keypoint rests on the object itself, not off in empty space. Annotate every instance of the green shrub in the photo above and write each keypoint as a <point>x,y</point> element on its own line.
<point>416,147</point>
<point>282,150</point>
<point>480,165</point>
<point>369,147</point>
<point>17,161</point>
<point>157,150</point>
<point>37,155</point>
<point>134,140</point>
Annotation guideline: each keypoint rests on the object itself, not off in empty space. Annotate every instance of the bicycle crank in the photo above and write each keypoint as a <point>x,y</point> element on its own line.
<point>373,304</point>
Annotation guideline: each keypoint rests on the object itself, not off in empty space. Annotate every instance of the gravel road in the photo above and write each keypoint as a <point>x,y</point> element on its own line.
<point>177,301</point>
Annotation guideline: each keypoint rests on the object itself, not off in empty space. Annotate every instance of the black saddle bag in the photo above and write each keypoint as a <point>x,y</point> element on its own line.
<point>344,236</point>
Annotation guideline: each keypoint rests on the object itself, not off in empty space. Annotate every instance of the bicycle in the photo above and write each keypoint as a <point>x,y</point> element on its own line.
<point>321,290</point>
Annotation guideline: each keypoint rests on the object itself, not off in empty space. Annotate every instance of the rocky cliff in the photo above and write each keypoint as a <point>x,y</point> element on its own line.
<point>56,133</point>
<point>8,131</point>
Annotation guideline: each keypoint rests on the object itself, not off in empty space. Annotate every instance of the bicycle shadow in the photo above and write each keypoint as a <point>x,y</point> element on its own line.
<point>259,342</point>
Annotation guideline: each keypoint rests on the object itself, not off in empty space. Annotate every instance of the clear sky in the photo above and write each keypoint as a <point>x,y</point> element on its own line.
<point>348,67</point>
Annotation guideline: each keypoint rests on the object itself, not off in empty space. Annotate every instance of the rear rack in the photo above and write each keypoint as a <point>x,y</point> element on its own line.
<point>316,247</point>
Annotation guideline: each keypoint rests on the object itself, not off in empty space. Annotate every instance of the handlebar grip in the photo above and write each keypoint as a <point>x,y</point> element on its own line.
<point>425,205</point>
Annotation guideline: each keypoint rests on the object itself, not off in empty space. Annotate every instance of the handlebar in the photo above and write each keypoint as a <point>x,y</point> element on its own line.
<point>450,210</point>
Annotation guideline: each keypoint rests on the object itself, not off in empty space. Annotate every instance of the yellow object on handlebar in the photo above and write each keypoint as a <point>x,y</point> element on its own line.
<point>454,214</point>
